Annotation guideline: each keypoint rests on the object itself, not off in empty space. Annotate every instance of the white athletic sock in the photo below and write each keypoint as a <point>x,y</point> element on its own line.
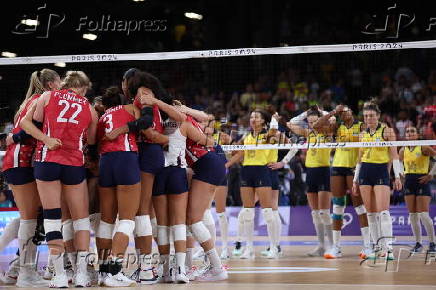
<point>386,228</point>
<point>145,262</point>
<point>329,233</point>
<point>27,247</point>
<point>366,237</point>
<point>336,238</point>
<point>214,259</point>
<point>58,263</point>
<point>278,224</point>
<point>224,225</point>
<point>10,233</point>
<point>241,227</point>
<point>73,260</point>
<point>188,262</point>
<point>319,227</point>
<point>269,218</point>
<point>180,260</point>
<point>82,262</point>
<point>249,231</point>
<point>428,225</point>
<point>416,226</point>
<point>373,227</point>
<point>165,262</point>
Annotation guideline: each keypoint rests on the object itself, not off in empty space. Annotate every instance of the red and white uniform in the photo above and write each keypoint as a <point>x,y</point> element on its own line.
<point>157,119</point>
<point>20,155</point>
<point>67,116</point>
<point>114,118</point>
<point>195,151</point>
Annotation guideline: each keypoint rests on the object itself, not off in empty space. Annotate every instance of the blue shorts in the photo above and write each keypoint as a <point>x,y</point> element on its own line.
<point>170,180</point>
<point>374,174</point>
<point>66,174</point>
<point>119,168</point>
<point>19,175</point>
<point>255,176</point>
<point>318,179</point>
<point>151,158</point>
<point>274,179</point>
<point>210,169</point>
<point>219,150</point>
<point>413,187</point>
<point>341,171</point>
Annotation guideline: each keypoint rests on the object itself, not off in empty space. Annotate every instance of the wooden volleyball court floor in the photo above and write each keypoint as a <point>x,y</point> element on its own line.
<point>297,271</point>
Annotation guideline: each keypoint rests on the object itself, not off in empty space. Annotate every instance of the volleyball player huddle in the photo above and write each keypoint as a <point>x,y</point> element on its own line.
<point>141,150</point>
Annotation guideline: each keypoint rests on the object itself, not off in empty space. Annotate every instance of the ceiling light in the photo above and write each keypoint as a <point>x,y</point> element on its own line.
<point>90,36</point>
<point>60,64</point>
<point>30,22</point>
<point>8,54</point>
<point>193,15</point>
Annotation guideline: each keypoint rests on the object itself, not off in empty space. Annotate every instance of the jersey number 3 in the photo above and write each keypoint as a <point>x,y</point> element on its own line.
<point>73,117</point>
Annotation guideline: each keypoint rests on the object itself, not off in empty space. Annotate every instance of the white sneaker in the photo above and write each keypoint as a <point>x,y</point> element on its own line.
<point>82,280</point>
<point>92,274</point>
<point>70,275</point>
<point>213,274</point>
<point>144,277</point>
<point>224,254</point>
<point>333,253</point>
<point>317,252</point>
<point>59,281</point>
<point>365,252</point>
<point>11,276</point>
<point>273,253</point>
<point>180,276</point>
<point>191,273</point>
<point>166,276</point>
<point>248,253</point>
<point>28,277</point>
<point>265,252</point>
<point>118,280</point>
<point>101,277</point>
<point>48,272</point>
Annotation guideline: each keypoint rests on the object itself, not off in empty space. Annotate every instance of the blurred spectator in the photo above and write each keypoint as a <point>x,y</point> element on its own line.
<point>402,123</point>
<point>298,184</point>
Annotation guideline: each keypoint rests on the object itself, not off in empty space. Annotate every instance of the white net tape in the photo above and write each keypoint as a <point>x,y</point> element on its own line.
<point>103,57</point>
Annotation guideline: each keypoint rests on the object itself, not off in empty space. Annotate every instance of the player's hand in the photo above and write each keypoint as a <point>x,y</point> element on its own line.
<point>425,179</point>
<point>9,139</point>
<point>227,165</point>
<point>112,135</point>
<point>397,184</point>
<point>276,165</point>
<point>339,109</point>
<point>146,98</point>
<point>355,189</point>
<point>52,143</point>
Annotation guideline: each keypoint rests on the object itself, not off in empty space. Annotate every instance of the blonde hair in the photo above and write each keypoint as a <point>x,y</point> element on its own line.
<point>38,84</point>
<point>75,79</point>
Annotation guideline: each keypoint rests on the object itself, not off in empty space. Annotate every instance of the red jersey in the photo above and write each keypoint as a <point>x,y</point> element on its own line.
<point>114,118</point>
<point>157,119</point>
<point>20,154</point>
<point>67,116</point>
<point>195,151</point>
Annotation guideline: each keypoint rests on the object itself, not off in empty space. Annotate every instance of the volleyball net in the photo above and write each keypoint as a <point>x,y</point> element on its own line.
<point>230,83</point>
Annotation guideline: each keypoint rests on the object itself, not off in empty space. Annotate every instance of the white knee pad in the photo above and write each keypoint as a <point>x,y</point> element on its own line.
<point>316,218</point>
<point>53,229</point>
<point>360,210</point>
<point>325,217</point>
<point>67,230</point>
<point>247,214</point>
<point>153,222</point>
<point>105,230</point>
<point>26,231</point>
<point>179,232</point>
<point>94,219</point>
<point>163,237</point>
<point>208,218</point>
<point>143,226</point>
<point>126,227</point>
<point>200,232</point>
<point>268,214</point>
<point>82,225</point>
<point>188,232</point>
<point>385,217</point>
<point>338,209</point>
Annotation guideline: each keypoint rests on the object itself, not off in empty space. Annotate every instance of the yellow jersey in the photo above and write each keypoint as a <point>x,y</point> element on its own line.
<point>347,157</point>
<point>377,155</point>
<point>317,157</point>
<point>255,157</point>
<point>415,162</point>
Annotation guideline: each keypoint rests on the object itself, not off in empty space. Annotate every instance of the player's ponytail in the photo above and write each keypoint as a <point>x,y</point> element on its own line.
<point>111,97</point>
<point>37,85</point>
<point>371,105</point>
<point>76,79</point>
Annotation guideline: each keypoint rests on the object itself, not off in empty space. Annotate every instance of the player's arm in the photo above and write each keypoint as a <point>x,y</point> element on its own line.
<point>155,137</point>
<point>389,135</point>
<point>428,151</point>
<point>326,124</point>
<point>33,121</point>
<point>295,125</point>
<point>355,189</point>
<point>196,135</point>
<point>149,100</point>
<point>196,114</point>
<point>92,135</point>
<point>143,122</point>
<point>401,154</point>
<point>237,156</point>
